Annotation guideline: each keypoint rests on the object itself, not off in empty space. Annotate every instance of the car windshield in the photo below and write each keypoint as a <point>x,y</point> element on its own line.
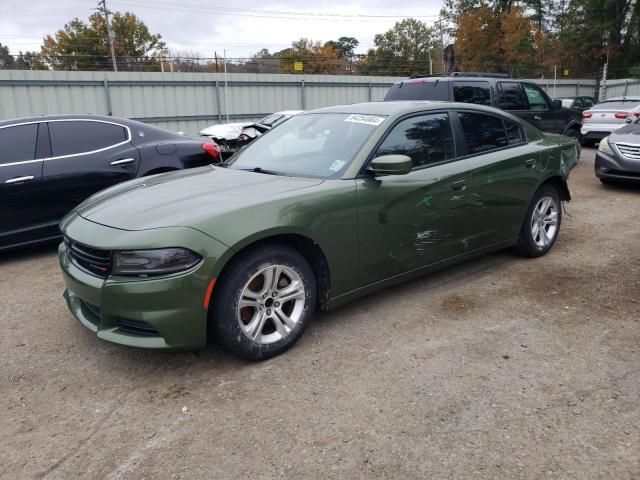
<point>320,145</point>
<point>566,102</point>
<point>272,120</point>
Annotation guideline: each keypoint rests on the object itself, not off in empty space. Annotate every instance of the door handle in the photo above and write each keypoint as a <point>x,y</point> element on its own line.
<point>20,179</point>
<point>530,163</point>
<point>459,185</point>
<point>123,161</point>
<point>537,117</point>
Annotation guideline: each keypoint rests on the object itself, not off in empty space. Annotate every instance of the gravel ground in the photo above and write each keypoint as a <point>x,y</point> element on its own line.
<point>499,368</point>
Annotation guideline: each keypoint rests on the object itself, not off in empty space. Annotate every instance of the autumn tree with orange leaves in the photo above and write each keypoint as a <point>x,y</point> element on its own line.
<point>508,42</point>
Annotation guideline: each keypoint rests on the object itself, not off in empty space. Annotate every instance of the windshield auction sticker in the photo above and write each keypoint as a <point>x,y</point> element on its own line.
<point>374,120</point>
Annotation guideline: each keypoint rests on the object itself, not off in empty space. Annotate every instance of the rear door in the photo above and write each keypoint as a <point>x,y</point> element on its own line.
<point>86,156</point>
<point>504,174</point>
<point>22,209</point>
<point>408,221</point>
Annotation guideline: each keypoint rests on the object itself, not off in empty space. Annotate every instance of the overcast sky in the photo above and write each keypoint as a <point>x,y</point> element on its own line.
<point>202,26</point>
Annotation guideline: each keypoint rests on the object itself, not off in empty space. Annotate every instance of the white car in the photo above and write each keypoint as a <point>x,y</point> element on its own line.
<point>231,136</point>
<point>608,116</point>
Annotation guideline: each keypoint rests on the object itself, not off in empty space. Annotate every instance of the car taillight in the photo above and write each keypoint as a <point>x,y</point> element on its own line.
<point>212,149</point>
<point>587,115</point>
<point>622,115</point>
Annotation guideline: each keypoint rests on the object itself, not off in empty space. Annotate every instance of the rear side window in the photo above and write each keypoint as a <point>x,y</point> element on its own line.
<point>18,144</point>
<point>68,138</point>
<point>472,92</point>
<point>536,97</point>
<point>418,90</point>
<point>427,139</point>
<point>510,96</point>
<point>482,132</point>
<point>514,133</point>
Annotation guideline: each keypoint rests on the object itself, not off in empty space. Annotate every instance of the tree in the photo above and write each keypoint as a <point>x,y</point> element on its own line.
<point>572,34</point>
<point>316,57</point>
<point>30,61</point>
<point>345,46</point>
<point>402,50</point>
<point>6,59</point>
<point>84,46</point>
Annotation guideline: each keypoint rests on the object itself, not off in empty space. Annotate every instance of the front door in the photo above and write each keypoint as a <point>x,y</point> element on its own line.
<point>86,156</point>
<point>22,212</point>
<point>409,221</point>
<point>540,113</point>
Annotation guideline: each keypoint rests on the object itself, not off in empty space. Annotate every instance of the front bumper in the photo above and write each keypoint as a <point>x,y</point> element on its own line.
<point>615,167</point>
<point>164,312</point>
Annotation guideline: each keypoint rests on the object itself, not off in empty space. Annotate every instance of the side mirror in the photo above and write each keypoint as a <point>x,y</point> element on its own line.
<point>556,105</point>
<point>391,165</point>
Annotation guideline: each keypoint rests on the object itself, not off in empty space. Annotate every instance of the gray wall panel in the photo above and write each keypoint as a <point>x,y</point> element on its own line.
<point>168,100</point>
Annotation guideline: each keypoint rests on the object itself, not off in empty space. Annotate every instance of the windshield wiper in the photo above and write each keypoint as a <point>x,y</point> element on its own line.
<point>263,170</point>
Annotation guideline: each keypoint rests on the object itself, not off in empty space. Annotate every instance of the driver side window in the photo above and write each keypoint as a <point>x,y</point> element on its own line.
<point>426,139</point>
<point>537,98</point>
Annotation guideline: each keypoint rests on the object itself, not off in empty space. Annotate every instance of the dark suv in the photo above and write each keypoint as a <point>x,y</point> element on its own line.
<point>523,99</point>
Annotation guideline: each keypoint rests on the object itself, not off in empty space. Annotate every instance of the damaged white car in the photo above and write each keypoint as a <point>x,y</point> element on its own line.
<point>233,136</point>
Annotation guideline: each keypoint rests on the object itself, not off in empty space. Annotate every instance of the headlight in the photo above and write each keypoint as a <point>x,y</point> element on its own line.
<point>604,146</point>
<point>153,262</point>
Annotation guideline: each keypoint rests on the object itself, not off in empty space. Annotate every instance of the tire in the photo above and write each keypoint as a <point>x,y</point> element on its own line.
<point>575,133</point>
<point>606,181</point>
<point>588,142</point>
<point>545,209</point>
<point>246,316</point>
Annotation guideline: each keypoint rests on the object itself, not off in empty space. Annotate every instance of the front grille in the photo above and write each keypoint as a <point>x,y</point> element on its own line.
<point>137,327</point>
<point>632,152</point>
<point>94,261</point>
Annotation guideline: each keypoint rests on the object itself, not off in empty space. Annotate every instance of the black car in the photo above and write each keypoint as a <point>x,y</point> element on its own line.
<point>49,164</point>
<point>618,155</point>
<point>523,99</point>
<point>581,103</point>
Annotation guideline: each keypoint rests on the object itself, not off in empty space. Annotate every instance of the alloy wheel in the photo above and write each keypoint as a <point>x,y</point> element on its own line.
<point>544,222</point>
<point>271,304</point>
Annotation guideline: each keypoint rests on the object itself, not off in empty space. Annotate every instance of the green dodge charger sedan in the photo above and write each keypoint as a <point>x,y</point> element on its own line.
<point>334,204</point>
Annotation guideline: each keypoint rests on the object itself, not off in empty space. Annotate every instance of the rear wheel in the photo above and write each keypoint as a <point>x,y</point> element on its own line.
<point>575,133</point>
<point>264,302</point>
<point>542,223</point>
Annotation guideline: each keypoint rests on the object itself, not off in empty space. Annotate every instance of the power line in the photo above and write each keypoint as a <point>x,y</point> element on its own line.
<point>298,16</point>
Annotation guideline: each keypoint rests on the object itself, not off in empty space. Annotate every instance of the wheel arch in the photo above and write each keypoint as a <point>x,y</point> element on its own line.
<point>572,125</point>
<point>303,244</point>
<point>560,184</point>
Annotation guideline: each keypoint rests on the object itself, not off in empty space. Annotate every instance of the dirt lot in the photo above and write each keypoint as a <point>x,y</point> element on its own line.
<point>500,368</point>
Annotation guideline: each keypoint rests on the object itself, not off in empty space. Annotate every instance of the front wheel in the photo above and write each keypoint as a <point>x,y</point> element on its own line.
<point>264,302</point>
<point>542,223</point>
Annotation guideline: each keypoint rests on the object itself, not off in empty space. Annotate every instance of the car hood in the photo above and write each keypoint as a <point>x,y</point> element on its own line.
<point>627,134</point>
<point>185,198</point>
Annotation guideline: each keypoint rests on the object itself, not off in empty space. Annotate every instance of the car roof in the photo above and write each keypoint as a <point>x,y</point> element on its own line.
<point>45,118</point>
<point>620,99</point>
<point>401,107</point>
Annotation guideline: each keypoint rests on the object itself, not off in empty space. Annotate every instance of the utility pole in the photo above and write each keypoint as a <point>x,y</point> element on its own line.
<point>110,34</point>
<point>441,42</point>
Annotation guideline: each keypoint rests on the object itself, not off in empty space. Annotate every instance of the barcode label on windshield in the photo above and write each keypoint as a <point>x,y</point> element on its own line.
<point>366,119</point>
